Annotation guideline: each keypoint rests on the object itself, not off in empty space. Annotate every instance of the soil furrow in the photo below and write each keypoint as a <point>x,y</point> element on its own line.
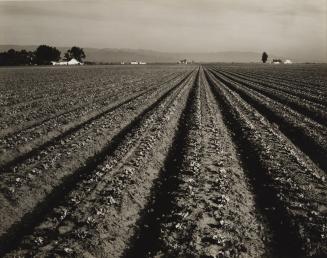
<point>146,242</point>
<point>116,190</point>
<point>102,96</point>
<point>16,159</point>
<point>53,192</point>
<point>310,137</point>
<point>283,84</point>
<point>313,95</point>
<point>194,212</point>
<point>215,160</point>
<point>56,134</point>
<point>81,82</point>
<point>280,178</point>
<point>53,98</point>
<point>307,108</point>
<point>304,82</point>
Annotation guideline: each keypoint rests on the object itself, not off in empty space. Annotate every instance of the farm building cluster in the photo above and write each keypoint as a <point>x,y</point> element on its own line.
<point>70,62</point>
<point>133,63</point>
<point>185,61</point>
<point>279,61</point>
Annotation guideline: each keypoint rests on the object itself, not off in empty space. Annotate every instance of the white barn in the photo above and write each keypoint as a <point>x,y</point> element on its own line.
<point>70,62</point>
<point>58,63</point>
<point>74,62</point>
<point>277,61</point>
<point>138,63</point>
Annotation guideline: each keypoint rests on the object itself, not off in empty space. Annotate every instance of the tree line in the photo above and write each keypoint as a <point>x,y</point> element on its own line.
<point>43,55</point>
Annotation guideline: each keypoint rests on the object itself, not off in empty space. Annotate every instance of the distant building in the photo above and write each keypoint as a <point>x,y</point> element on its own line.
<point>277,61</point>
<point>74,62</point>
<point>288,62</point>
<point>138,63</point>
<point>70,62</point>
<point>183,61</point>
<point>58,63</point>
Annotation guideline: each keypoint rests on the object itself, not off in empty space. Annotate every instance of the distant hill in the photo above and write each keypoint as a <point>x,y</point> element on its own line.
<point>118,55</point>
<point>127,55</point>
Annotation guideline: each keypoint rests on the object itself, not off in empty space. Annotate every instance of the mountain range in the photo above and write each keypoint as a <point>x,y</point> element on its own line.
<point>126,55</point>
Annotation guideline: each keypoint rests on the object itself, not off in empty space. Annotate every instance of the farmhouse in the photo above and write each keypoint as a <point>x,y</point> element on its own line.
<point>183,61</point>
<point>71,62</point>
<point>138,62</point>
<point>288,62</point>
<point>74,62</point>
<point>277,61</point>
<point>58,63</point>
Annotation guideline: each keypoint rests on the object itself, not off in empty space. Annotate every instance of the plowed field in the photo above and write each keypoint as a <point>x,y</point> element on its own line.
<point>219,160</point>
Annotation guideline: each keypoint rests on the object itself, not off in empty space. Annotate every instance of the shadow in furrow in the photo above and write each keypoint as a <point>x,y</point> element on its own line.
<point>285,241</point>
<point>14,235</point>
<point>5,167</point>
<point>313,150</point>
<point>146,242</point>
<point>67,112</point>
<point>313,112</point>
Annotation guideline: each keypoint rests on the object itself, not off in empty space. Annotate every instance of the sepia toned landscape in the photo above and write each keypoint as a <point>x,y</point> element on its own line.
<point>163,129</point>
<point>190,160</point>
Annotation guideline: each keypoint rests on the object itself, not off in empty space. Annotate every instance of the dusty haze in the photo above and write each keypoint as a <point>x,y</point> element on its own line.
<point>290,28</point>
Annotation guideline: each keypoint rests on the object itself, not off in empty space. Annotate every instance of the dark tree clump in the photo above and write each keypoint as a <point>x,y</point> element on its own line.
<point>45,54</point>
<point>75,52</point>
<point>264,57</point>
<point>13,57</point>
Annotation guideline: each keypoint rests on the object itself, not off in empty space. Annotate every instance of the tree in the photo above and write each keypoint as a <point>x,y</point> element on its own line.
<point>13,57</point>
<point>67,56</point>
<point>264,57</point>
<point>45,54</point>
<point>75,52</point>
<point>26,57</point>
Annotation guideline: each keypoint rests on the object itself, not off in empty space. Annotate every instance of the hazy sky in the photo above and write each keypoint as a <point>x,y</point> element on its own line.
<point>283,27</point>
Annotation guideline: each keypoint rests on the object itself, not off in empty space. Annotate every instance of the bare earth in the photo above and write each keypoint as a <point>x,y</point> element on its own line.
<point>219,160</point>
